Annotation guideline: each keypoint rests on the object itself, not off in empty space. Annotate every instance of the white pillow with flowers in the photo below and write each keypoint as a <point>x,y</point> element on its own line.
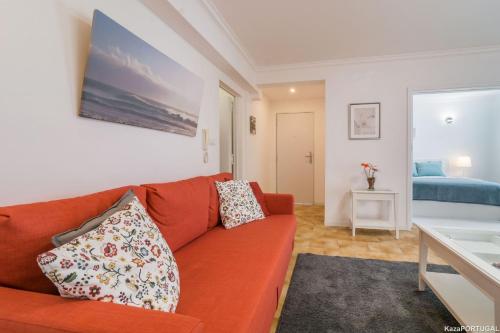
<point>125,260</point>
<point>238,204</point>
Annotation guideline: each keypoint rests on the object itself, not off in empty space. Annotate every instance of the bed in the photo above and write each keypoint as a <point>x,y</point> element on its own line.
<point>453,197</point>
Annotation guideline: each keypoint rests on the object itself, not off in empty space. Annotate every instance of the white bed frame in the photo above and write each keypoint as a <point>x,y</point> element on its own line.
<point>452,210</point>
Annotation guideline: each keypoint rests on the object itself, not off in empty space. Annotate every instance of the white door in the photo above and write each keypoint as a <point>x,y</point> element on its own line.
<point>226,135</point>
<point>295,160</point>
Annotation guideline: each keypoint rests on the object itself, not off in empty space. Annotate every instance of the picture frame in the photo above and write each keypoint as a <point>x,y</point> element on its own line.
<point>364,121</point>
<point>253,125</point>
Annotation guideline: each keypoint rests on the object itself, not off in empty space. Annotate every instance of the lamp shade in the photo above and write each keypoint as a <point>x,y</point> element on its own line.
<point>464,162</point>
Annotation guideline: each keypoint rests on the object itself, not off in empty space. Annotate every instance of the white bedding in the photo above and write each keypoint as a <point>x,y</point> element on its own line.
<point>454,210</point>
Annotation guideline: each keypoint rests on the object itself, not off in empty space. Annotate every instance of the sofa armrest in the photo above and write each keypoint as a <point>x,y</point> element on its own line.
<point>25,311</point>
<point>279,204</point>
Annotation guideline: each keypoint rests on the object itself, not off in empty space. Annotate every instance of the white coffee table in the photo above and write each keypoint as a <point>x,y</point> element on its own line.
<point>473,295</point>
<point>374,195</point>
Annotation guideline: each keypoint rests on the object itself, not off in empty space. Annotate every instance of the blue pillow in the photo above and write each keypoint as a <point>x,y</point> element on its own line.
<point>430,168</point>
<point>414,172</point>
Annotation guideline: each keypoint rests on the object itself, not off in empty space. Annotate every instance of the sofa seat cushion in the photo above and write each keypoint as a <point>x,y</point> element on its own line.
<point>180,209</point>
<point>231,279</point>
<point>26,231</point>
<point>28,312</point>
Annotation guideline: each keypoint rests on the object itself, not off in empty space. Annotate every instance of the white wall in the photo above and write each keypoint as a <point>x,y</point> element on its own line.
<point>260,158</point>
<point>48,151</point>
<point>386,82</point>
<point>226,109</point>
<point>473,132</point>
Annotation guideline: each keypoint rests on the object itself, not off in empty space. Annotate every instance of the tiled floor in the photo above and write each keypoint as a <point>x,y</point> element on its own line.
<point>313,237</point>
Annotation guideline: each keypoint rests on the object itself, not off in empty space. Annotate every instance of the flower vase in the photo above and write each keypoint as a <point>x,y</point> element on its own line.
<point>371,183</point>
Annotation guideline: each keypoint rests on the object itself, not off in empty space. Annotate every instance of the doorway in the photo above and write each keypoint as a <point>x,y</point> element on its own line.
<point>295,155</point>
<point>227,131</point>
<point>452,142</point>
<point>295,140</point>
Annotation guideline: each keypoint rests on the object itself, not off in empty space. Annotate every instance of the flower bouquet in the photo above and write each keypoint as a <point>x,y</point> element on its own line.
<point>370,170</point>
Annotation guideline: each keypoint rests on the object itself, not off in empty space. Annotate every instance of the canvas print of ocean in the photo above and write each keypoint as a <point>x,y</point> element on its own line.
<point>128,81</point>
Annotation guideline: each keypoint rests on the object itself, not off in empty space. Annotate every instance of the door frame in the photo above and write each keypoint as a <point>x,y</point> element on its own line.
<point>236,131</point>
<point>409,150</point>
<point>314,153</point>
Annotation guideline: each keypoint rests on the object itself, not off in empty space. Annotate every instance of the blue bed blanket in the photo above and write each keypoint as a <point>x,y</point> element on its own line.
<point>462,190</point>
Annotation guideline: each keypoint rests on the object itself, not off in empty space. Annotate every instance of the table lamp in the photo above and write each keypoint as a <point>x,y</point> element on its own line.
<point>464,162</point>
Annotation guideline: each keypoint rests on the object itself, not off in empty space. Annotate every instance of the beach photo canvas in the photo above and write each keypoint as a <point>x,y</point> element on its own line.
<point>130,82</point>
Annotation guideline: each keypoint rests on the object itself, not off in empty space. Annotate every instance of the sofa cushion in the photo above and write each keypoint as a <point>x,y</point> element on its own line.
<point>261,199</point>
<point>26,231</point>
<point>180,209</point>
<point>231,279</point>
<point>279,204</point>
<point>25,311</point>
<point>214,214</point>
<point>125,260</point>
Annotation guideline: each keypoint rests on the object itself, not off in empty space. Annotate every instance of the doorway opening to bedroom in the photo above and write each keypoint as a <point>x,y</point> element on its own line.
<point>455,153</point>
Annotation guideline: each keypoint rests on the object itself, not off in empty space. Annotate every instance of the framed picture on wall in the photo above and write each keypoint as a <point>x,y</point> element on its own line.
<point>253,125</point>
<point>364,121</point>
<point>128,81</point>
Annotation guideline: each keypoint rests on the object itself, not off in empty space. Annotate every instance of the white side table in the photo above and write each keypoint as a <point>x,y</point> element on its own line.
<point>374,195</point>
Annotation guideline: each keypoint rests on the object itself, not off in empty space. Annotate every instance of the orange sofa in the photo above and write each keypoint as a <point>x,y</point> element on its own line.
<point>231,280</point>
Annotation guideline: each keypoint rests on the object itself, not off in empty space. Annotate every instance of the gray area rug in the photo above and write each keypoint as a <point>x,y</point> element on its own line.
<point>337,294</point>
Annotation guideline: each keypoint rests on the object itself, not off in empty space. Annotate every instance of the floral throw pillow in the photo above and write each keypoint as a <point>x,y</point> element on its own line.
<point>125,260</point>
<point>238,204</point>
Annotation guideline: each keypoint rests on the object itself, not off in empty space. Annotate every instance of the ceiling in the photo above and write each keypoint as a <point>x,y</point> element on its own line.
<point>303,90</point>
<point>274,32</point>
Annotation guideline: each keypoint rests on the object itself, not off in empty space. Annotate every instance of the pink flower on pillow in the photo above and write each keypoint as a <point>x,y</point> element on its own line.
<point>94,290</point>
<point>171,276</point>
<point>156,250</point>
<point>110,250</point>
<point>46,258</point>
<point>65,263</point>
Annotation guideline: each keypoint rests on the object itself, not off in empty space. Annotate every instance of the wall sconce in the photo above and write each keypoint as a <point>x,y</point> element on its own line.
<point>449,120</point>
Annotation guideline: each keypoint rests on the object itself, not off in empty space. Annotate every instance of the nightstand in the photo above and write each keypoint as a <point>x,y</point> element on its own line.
<point>374,195</point>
